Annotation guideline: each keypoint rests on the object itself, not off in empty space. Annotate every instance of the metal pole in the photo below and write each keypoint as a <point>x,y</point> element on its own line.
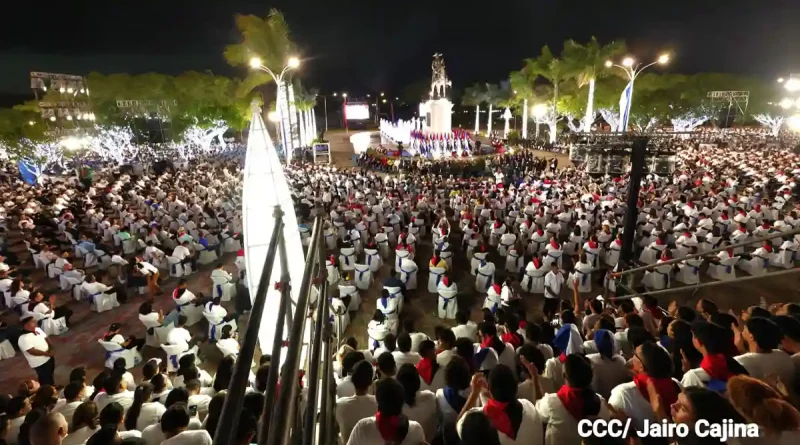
<point>708,252</point>
<point>314,371</point>
<point>279,432</point>
<point>638,154</point>
<point>325,101</point>
<point>710,283</point>
<point>326,408</point>
<point>229,420</point>
<point>277,343</point>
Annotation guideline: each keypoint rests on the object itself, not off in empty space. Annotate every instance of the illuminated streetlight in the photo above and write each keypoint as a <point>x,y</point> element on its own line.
<point>381,94</point>
<point>368,95</point>
<point>632,69</point>
<point>255,62</point>
<point>31,123</point>
<point>344,95</point>
<point>792,85</point>
<point>294,62</point>
<point>396,98</point>
<point>335,94</point>
<point>384,100</point>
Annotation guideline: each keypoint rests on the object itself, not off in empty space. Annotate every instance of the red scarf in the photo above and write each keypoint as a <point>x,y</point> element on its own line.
<point>523,324</point>
<point>768,248</point>
<point>554,244</point>
<point>487,342</point>
<point>496,412</point>
<point>664,386</point>
<point>592,244</point>
<point>562,358</point>
<point>425,369</point>
<point>511,338</point>
<point>716,366</point>
<point>387,425</point>
<point>572,399</point>
<point>535,262</point>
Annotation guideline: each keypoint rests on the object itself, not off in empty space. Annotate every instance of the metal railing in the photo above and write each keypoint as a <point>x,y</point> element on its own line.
<point>632,293</point>
<point>279,423</point>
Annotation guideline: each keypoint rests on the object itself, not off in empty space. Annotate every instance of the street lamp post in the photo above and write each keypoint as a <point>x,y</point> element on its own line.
<point>632,69</point>
<point>282,100</point>
<point>344,113</point>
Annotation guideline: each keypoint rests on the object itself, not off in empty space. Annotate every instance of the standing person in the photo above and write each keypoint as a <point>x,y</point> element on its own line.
<point>37,350</point>
<point>553,282</point>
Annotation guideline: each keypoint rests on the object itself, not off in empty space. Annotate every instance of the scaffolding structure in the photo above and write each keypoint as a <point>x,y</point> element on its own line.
<point>736,102</point>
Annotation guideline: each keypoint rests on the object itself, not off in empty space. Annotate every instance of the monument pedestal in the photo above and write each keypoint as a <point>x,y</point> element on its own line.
<point>439,115</point>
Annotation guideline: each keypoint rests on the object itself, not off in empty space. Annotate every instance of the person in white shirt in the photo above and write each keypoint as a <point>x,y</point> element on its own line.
<point>350,410</point>
<point>18,408</point>
<point>389,424</point>
<point>420,405</point>
<point>185,255</point>
<point>403,354</point>
<point>528,388</point>
<point>716,367</point>
<point>198,403</point>
<point>114,414</point>
<point>115,392</point>
<point>445,344</point>
<point>345,387</point>
<point>516,420</point>
<point>175,423</point>
<point>651,364</point>
<point>573,402</point>
<point>83,425</point>
<point>113,336</point>
<point>553,282</point>
<point>608,367</point>
<point>74,393</point>
<point>143,412</point>
<point>36,348</point>
<point>465,328</point>
<point>416,337</point>
<point>762,338</point>
<point>180,336</point>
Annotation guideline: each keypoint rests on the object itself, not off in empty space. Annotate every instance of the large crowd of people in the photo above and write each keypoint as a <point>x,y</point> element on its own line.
<point>531,241</point>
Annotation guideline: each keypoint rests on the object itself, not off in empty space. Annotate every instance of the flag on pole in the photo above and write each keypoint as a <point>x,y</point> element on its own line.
<point>625,106</point>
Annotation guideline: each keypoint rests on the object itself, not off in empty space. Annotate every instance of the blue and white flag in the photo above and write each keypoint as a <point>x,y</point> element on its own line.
<point>29,172</point>
<point>625,106</point>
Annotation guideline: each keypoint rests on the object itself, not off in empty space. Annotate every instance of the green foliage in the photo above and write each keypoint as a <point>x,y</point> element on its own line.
<point>513,137</point>
<point>587,62</point>
<point>266,38</point>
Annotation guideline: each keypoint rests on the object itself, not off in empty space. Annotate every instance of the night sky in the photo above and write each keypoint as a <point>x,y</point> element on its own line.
<point>364,46</point>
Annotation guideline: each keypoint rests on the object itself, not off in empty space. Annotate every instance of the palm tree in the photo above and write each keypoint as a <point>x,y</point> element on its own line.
<point>266,38</point>
<point>475,95</point>
<point>554,70</point>
<point>587,64</point>
<point>305,101</point>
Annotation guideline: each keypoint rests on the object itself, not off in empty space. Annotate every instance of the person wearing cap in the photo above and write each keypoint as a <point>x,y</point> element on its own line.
<point>37,350</point>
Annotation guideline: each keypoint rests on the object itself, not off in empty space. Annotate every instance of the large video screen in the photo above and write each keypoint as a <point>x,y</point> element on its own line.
<point>357,112</point>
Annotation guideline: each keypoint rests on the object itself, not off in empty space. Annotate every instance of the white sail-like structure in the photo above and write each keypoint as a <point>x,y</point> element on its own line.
<point>265,187</point>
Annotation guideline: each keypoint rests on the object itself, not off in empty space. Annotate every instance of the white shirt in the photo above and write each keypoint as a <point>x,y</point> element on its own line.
<point>181,252</point>
<point>628,399</point>
<point>79,436</point>
<point>196,437</point>
<point>759,365</point>
<point>469,330</point>
<point>345,388</point>
<point>68,410</point>
<point>152,435</point>
<point>37,341</point>
<point>124,398</point>
<point>200,402</point>
<point>150,414</point>
<point>444,357</point>
<point>366,432</point>
<point>13,429</point>
<point>530,430</point>
<point>562,428</point>
<point>350,410</point>
<point>553,281</point>
<point>401,358</point>
<point>425,412</point>
<point>179,337</point>
<point>607,374</point>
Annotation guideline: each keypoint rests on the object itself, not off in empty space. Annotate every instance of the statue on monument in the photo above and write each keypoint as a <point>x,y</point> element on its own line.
<point>439,80</point>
